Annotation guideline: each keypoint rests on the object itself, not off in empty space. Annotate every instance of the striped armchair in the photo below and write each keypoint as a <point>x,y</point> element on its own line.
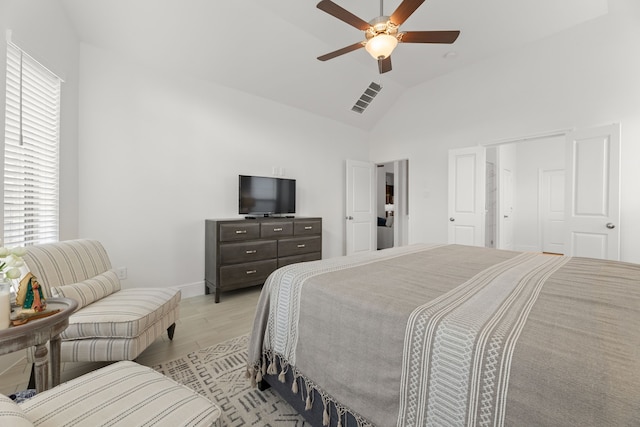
<point>110,324</point>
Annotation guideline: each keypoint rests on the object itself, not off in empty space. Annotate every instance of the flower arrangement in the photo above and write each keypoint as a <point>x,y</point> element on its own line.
<point>11,261</point>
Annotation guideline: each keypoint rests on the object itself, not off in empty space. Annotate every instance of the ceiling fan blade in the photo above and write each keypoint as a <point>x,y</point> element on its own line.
<point>342,14</point>
<point>446,37</point>
<point>404,11</point>
<point>384,65</point>
<point>342,51</point>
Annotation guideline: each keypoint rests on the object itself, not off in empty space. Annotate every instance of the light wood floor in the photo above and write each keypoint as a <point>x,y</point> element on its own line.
<point>202,324</point>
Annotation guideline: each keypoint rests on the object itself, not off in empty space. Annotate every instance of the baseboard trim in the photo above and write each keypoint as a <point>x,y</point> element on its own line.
<point>191,289</point>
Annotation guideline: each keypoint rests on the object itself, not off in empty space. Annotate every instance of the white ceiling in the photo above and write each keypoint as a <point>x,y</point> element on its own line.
<point>269,47</point>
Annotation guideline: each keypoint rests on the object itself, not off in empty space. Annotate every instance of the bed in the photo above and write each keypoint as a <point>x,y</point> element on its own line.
<point>452,335</point>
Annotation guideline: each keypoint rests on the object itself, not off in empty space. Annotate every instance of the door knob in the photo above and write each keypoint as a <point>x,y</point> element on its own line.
<point>452,219</point>
<point>349,217</point>
<point>610,226</point>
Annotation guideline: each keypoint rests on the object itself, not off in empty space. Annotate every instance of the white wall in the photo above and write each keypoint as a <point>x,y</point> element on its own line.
<point>583,77</point>
<point>41,28</point>
<point>159,154</point>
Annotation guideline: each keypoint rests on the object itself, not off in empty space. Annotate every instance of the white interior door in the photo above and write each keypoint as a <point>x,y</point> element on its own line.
<point>505,216</point>
<point>466,196</point>
<point>593,190</point>
<point>552,201</point>
<point>360,207</point>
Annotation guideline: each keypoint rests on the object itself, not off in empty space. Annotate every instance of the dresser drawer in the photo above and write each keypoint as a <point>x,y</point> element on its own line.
<point>247,273</point>
<point>298,258</point>
<point>234,253</point>
<point>239,231</point>
<point>299,245</point>
<point>305,227</point>
<point>276,228</point>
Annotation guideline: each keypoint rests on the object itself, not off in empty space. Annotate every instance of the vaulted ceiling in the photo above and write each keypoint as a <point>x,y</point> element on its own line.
<point>269,47</point>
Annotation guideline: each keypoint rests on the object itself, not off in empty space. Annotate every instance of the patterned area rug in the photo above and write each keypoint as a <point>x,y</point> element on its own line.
<point>218,372</point>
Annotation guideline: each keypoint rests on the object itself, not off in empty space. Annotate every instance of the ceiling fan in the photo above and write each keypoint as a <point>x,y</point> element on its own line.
<point>382,33</point>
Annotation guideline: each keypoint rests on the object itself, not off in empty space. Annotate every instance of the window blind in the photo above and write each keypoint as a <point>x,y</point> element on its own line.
<point>31,151</point>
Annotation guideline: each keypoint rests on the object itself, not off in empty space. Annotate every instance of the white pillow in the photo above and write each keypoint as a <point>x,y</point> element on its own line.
<point>89,290</point>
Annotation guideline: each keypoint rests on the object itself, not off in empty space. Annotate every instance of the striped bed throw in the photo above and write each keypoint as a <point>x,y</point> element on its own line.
<point>452,335</point>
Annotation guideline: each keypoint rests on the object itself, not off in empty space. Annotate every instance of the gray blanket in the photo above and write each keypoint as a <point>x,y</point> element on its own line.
<point>456,335</point>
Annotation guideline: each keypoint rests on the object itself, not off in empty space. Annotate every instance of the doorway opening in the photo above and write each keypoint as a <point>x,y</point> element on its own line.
<point>385,207</point>
<point>392,204</point>
<point>524,198</point>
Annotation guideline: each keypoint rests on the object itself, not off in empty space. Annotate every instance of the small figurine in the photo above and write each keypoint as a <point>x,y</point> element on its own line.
<point>30,295</point>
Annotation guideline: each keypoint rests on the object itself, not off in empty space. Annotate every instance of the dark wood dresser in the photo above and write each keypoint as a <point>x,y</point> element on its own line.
<point>243,252</point>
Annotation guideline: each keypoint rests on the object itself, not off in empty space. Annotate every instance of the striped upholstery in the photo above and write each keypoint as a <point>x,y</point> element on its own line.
<point>113,348</point>
<point>64,263</point>
<point>11,414</point>
<point>124,314</point>
<point>112,324</point>
<point>121,394</point>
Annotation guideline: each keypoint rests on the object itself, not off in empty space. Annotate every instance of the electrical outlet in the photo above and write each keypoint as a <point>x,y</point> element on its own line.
<point>121,272</point>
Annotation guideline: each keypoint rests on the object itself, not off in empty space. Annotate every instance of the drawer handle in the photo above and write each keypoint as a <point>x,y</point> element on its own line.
<point>308,227</point>
<point>301,246</point>
<point>251,252</point>
<point>277,229</point>
<point>241,231</point>
<point>252,271</point>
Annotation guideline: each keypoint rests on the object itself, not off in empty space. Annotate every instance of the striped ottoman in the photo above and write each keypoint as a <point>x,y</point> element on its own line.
<point>121,394</point>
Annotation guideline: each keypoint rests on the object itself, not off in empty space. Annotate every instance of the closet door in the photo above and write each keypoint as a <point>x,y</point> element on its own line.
<point>593,193</point>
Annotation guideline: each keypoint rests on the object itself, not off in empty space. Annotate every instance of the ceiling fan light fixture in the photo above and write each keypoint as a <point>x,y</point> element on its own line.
<point>381,46</point>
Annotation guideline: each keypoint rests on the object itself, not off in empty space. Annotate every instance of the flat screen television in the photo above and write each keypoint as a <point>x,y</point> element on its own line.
<point>260,195</point>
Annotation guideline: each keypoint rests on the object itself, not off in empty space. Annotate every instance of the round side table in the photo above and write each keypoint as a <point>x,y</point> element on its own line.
<point>37,333</point>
